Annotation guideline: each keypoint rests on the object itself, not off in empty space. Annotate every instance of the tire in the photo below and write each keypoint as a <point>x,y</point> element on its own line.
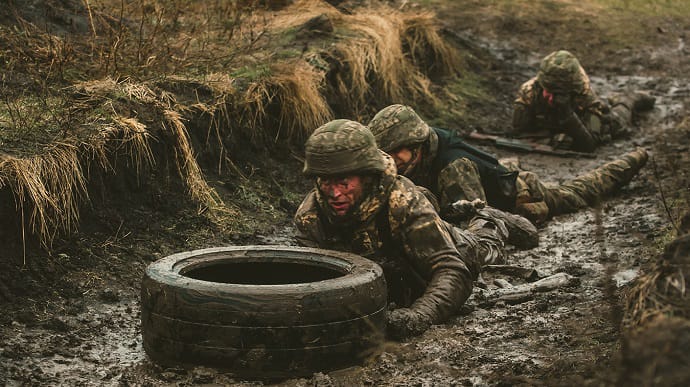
<point>263,311</point>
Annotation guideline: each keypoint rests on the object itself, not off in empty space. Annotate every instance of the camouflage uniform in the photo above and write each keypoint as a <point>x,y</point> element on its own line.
<point>429,264</point>
<point>538,201</point>
<point>460,178</point>
<point>560,72</point>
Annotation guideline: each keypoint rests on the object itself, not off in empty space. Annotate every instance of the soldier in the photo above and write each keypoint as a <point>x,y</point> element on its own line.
<point>560,101</point>
<point>360,205</point>
<point>459,174</point>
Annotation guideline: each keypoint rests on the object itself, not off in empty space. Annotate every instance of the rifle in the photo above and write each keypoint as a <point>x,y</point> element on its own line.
<point>525,146</point>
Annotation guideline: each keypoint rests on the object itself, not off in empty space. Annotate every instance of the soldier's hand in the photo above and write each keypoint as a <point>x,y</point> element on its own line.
<point>563,104</point>
<point>404,323</point>
<point>467,209</point>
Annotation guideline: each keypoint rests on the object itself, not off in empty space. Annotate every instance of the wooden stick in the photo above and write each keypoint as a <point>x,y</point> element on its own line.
<point>525,292</point>
<point>513,271</point>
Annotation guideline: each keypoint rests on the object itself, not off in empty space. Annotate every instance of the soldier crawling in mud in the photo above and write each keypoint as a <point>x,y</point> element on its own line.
<point>462,176</point>
<point>360,205</point>
<point>560,103</point>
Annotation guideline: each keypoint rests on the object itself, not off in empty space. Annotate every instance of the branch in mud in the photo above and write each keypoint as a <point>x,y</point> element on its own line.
<point>529,275</point>
<point>521,293</point>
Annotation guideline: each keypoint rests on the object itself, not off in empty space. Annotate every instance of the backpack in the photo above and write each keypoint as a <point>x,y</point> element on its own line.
<point>498,182</point>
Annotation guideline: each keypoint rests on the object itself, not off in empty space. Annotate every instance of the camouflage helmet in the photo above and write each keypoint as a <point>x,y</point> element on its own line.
<point>342,147</point>
<point>560,71</point>
<point>398,125</point>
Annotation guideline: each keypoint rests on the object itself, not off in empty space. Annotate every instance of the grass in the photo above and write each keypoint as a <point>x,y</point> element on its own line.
<point>192,76</point>
<point>460,92</point>
<point>672,8</point>
<point>609,25</point>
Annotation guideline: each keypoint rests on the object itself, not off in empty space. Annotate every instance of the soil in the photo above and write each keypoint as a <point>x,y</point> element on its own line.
<point>71,316</point>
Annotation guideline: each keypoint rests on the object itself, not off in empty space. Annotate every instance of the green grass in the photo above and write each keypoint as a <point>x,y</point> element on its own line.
<point>461,91</point>
<point>31,122</point>
<point>649,7</point>
<point>469,86</point>
<point>252,73</point>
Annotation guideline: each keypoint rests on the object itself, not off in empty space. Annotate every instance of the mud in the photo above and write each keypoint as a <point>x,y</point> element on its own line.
<point>78,323</point>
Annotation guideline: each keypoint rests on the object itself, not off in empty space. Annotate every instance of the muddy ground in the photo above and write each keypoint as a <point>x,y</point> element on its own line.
<point>74,320</point>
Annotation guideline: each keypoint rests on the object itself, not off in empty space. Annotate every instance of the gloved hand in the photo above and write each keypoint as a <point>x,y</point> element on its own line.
<point>404,323</point>
<point>466,209</point>
<point>563,104</point>
<point>582,138</point>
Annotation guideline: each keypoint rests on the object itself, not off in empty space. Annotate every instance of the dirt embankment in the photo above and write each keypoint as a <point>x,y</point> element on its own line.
<point>71,313</point>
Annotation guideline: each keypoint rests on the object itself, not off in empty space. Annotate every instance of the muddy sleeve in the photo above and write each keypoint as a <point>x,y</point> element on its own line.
<point>459,180</point>
<point>430,250</point>
<point>589,102</point>
<point>309,232</point>
<point>522,120</point>
<point>523,114</point>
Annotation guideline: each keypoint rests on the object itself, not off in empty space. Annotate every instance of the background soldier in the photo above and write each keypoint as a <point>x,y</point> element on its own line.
<point>561,102</point>
<point>458,173</point>
<point>360,205</point>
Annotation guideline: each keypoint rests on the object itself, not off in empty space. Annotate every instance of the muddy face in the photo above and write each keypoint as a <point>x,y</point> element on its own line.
<point>342,193</point>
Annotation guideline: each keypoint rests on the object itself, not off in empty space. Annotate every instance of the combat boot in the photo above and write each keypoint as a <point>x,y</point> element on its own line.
<point>521,232</point>
<point>635,160</point>
<point>635,103</point>
<point>608,177</point>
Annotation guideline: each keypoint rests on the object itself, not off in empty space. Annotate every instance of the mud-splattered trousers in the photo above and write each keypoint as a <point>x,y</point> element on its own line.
<point>533,114</point>
<point>536,201</point>
<point>429,264</point>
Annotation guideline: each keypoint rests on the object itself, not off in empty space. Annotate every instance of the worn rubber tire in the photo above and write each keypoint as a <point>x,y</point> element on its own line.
<point>263,331</point>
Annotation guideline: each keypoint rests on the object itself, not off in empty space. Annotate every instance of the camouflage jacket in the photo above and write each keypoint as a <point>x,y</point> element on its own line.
<point>397,223</point>
<point>532,113</point>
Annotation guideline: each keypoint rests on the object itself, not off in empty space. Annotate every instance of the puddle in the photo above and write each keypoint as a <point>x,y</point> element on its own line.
<point>624,277</point>
<point>93,347</point>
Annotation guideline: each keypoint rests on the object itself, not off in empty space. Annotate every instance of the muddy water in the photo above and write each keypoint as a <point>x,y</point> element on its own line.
<point>90,344</point>
<point>565,334</point>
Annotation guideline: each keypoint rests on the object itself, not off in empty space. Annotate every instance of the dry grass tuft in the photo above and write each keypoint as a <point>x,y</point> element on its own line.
<point>287,105</point>
<point>374,58</point>
<point>189,169</point>
<point>373,68</point>
<point>427,50</point>
<point>663,291</point>
<point>50,187</point>
<point>133,136</point>
<point>302,11</point>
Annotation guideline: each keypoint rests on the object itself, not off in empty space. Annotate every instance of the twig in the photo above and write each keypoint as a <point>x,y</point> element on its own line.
<point>93,27</point>
<point>663,196</point>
